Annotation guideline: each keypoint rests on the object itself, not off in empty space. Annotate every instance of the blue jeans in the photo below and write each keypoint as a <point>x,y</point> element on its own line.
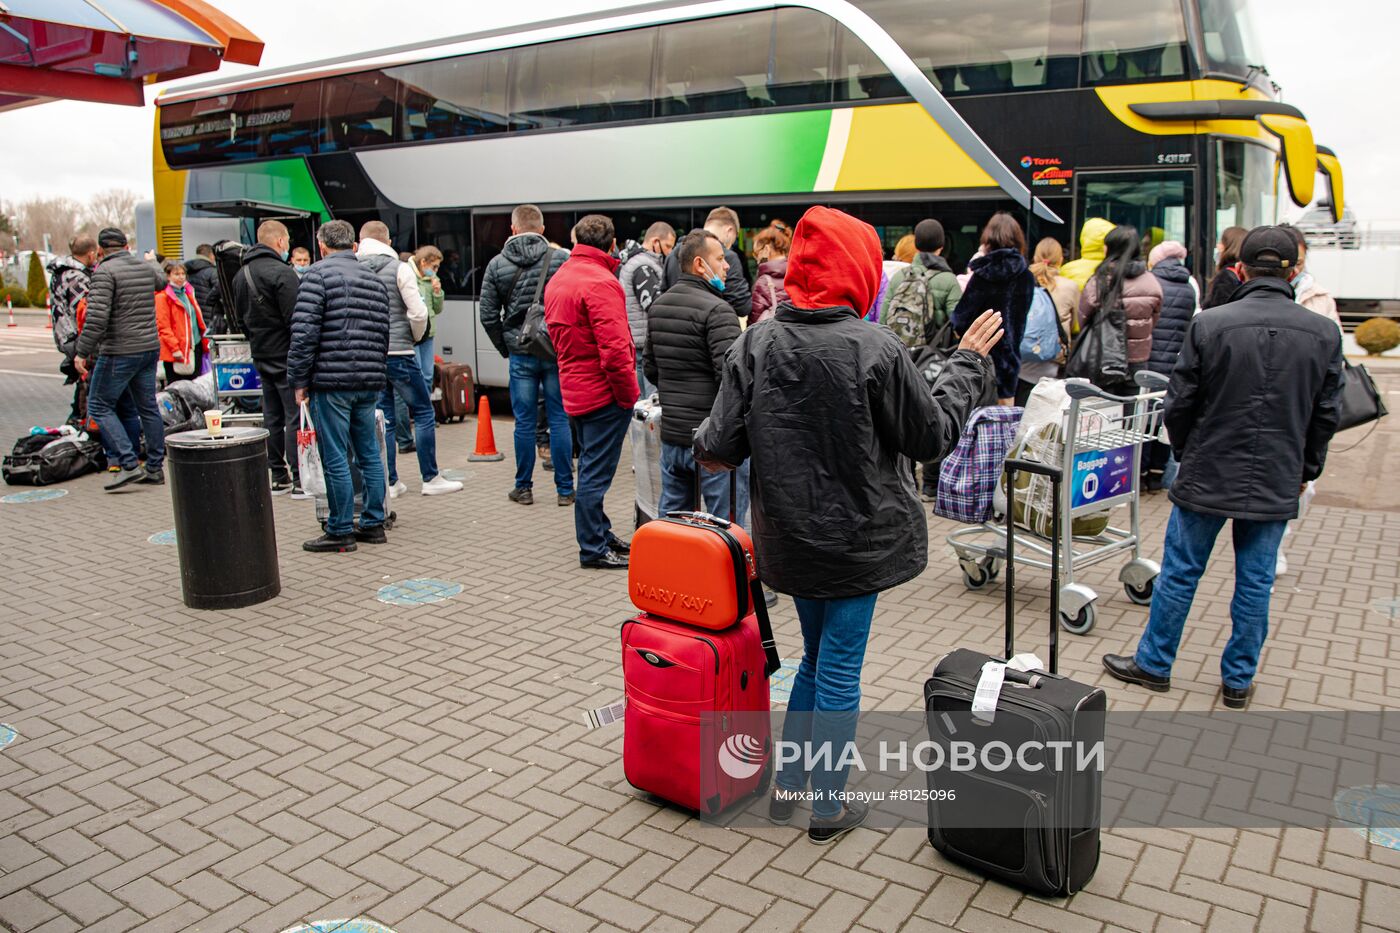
<point>345,420</point>
<point>424,353</point>
<point>405,379</point>
<point>826,692</point>
<point>131,423</point>
<point>1190,538</point>
<point>678,485</point>
<point>600,436</point>
<point>531,378</point>
<point>646,387</point>
<point>113,378</point>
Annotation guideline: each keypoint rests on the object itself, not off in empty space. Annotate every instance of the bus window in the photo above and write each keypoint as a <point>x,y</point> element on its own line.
<point>709,66</point>
<point>860,75</point>
<point>1231,42</point>
<point>453,97</point>
<point>1158,204</point>
<point>266,123</point>
<point>450,232</point>
<point>598,79</point>
<point>972,46</point>
<point>491,230</point>
<point>1141,41</point>
<point>359,111</point>
<point>1244,185</point>
<point>799,67</point>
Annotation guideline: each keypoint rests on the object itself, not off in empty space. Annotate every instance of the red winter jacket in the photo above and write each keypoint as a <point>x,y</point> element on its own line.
<point>587,316</point>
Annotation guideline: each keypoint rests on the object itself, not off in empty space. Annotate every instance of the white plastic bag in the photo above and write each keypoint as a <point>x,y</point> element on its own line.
<point>313,480</point>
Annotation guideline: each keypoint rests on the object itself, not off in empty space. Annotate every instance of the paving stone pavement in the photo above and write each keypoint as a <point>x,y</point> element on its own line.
<point>325,755</point>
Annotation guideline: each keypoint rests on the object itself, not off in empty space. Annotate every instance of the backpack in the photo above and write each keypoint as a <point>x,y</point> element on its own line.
<point>907,311</point>
<point>42,459</point>
<point>1041,341</point>
<point>65,311</point>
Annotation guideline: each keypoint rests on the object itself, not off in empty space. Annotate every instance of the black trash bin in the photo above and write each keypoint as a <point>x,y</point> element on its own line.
<point>223,517</point>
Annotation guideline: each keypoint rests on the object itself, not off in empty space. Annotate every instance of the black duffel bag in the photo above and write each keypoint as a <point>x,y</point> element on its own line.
<point>42,459</point>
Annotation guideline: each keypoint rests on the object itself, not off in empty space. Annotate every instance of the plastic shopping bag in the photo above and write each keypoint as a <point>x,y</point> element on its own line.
<point>309,456</point>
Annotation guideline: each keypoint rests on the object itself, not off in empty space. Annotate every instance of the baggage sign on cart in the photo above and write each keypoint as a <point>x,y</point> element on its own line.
<point>236,378</point>
<point>1100,475</point>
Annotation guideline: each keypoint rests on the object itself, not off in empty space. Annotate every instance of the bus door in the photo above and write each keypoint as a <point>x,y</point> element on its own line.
<point>1161,204</point>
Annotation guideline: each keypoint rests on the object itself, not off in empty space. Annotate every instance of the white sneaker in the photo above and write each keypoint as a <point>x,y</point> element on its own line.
<point>440,486</point>
<point>398,489</point>
<point>1281,567</point>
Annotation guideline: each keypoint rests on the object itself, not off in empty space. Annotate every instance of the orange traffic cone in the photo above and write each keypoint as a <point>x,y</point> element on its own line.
<point>485,436</point>
<point>11,309</point>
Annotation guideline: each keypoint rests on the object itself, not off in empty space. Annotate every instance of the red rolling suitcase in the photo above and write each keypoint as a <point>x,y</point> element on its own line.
<point>697,730</point>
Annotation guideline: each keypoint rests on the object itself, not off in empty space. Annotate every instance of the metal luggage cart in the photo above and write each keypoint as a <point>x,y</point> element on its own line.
<point>235,376</point>
<point>1100,458</point>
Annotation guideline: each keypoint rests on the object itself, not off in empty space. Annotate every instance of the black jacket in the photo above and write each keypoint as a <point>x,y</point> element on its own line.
<point>1001,281</point>
<point>737,290</point>
<point>1178,305</point>
<point>340,328</point>
<point>204,279</point>
<point>503,311</point>
<point>689,329</point>
<point>121,307</point>
<point>1253,402</point>
<point>267,312</point>
<point>831,410</point>
<point>1221,289</point>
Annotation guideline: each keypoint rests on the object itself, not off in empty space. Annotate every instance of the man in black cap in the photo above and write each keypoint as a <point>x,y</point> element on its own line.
<point>1254,400</point>
<point>120,330</point>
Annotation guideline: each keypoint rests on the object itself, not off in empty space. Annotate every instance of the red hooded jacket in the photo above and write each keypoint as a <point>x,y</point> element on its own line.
<point>587,316</point>
<point>835,260</point>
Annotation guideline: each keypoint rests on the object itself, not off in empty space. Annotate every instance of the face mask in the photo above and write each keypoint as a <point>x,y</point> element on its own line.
<point>430,273</point>
<point>715,281</point>
<point>284,254</point>
<point>300,270</point>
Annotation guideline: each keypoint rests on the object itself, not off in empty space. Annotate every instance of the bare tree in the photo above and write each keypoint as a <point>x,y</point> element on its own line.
<point>7,227</point>
<point>115,207</point>
<point>60,218</point>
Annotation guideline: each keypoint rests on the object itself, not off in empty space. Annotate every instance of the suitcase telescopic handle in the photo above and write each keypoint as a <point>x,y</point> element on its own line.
<point>704,517</point>
<point>1013,466</point>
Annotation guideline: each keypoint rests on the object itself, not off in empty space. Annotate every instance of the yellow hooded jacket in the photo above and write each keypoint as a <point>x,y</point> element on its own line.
<point>1091,237</point>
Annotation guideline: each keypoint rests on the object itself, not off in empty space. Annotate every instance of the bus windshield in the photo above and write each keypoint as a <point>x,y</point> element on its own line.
<point>1232,45</point>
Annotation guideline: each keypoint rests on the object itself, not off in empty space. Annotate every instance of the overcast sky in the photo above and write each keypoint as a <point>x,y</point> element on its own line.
<point>1336,62</point>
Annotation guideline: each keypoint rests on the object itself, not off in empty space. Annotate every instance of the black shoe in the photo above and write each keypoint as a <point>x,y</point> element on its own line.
<point>330,544</point>
<point>566,500</point>
<point>282,486</point>
<point>1126,670</point>
<point>546,459</point>
<point>153,478</point>
<point>618,545</point>
<point>522,495</point>
<point>125,478</point>
<point>781,806</point>
<point>299,493</point>
<point>374,534</point>
<point>822,832</point>
<point>1236,697</point>
<point>609,561</point>
<point>408,449</point>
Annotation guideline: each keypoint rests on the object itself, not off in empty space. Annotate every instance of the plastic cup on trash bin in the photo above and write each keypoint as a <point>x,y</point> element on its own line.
<point>214,421</point>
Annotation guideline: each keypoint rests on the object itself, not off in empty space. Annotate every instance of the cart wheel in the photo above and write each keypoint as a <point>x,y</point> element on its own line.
<point>765,779</point>
<point>993,568</point>
<point>1143,595</point>
<point>976,579</point>
<point>1081,624</point>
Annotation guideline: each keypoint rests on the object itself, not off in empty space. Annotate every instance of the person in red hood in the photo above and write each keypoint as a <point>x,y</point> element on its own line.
<point>586,312</point>
<point>830,410</point>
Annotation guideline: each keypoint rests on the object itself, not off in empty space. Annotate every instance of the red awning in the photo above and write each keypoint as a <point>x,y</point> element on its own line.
<point>105,50</point>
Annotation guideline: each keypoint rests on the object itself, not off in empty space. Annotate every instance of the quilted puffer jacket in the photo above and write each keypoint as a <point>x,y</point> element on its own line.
<point>1178,305</point>
<point>340,328</point>
<point>1142,303</point>
<point>121,307</point>
<point>503,310</point>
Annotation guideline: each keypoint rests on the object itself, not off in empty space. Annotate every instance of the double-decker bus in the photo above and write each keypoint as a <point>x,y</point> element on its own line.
<point>1157,113</point>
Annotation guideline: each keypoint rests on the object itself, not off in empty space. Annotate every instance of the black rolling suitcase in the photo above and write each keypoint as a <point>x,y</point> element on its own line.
<point>1035,828</point>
